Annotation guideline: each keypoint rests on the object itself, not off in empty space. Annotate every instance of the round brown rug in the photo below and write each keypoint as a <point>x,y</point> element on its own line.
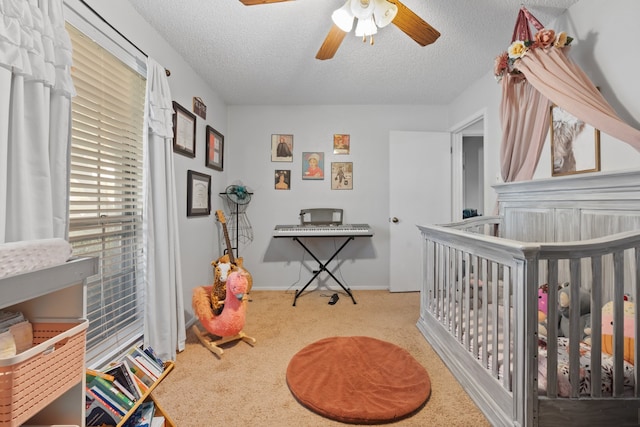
<point>358,380</point>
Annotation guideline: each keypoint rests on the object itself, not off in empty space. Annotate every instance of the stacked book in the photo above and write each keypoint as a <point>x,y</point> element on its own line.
<point>112,392</point>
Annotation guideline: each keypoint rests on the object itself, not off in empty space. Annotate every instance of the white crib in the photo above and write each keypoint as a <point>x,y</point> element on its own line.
<point>479,300</point>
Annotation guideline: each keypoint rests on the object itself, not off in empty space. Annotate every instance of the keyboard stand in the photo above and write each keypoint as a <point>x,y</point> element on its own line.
<point>323,267</point>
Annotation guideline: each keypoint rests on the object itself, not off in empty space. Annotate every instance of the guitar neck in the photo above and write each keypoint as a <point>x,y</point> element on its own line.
<point>228,242</point>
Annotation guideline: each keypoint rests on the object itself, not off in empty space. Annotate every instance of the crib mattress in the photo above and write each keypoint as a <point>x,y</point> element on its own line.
<point>23,256</point>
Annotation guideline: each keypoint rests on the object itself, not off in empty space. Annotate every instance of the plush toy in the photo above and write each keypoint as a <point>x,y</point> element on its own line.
<point>227,325</point>
<point>564,305</point>
<point>231,320</point>
<point>543,299</point>
<point>221,269</point>
<point>629,329</point>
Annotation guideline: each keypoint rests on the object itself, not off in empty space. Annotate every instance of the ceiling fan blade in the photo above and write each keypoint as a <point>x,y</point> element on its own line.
<point>331,43</point>
<point>255,2</point>
<point>414,26</point>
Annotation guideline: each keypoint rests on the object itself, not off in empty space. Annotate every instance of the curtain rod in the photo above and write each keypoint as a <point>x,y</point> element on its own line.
<point>166,70</point>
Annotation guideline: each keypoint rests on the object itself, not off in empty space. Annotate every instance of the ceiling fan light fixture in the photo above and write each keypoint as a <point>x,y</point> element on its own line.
<point>384,12</point>
<point>362,9</point>
<point>366,27</point>
<point>343,17</point>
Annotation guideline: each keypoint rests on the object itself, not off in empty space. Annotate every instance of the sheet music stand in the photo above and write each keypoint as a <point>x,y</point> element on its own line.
<point>321,216</point>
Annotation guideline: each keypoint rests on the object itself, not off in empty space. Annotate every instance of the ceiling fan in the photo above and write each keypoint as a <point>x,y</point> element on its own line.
<point>402,17</point>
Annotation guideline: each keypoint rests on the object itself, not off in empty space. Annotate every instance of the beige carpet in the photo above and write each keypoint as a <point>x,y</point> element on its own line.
<point>246,386</point>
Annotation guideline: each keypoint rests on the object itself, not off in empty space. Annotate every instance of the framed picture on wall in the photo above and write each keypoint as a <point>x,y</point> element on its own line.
<point>282,179</point>
<point>281,148</point>
<point>198,194</point>
<point>184,131</point>
<point>313,165</point>
<point>215,149</point>
<point>341,143</point>
<point>342,175</point>
<point>575,145</point>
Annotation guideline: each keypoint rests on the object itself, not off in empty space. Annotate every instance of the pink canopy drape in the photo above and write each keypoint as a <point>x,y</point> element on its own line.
<point>559,79</point>
<point>548,75</point>
<point>525,122</point>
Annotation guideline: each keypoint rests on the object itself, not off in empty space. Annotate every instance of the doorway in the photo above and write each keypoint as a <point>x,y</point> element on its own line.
<point>473,175</point>
<point>467,166</point>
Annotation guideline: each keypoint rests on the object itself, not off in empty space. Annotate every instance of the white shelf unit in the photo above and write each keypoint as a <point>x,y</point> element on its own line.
<point>54,292</point>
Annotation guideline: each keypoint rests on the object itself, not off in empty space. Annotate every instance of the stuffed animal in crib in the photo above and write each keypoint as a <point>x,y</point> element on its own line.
<point>543,311</point>
<point>629,310</point>
<point>565,304</point>
<point>543,299</point>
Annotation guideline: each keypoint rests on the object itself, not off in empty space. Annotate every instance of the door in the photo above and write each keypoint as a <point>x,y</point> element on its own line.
<point>420,193</point>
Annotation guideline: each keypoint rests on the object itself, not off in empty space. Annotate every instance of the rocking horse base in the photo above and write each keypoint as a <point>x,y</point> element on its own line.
<point>213,345</point>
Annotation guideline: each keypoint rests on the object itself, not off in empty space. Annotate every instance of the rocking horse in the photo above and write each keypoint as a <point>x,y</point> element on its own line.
<point>226,326</point>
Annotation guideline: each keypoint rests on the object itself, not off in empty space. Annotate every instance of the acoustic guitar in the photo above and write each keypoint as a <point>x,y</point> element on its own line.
<point>219,291</point>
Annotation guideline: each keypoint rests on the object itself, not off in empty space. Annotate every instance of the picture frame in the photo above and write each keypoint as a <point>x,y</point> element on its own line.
<point>313,165</point>
<point>281,148</point>
<point>214,149</point>
<point>184,131</point>
<point>575,145</point>
<point>199,107</point>
<point>341,143</point>
<point>342,175</point>
<point>198,194</point>
<point>282,179</point>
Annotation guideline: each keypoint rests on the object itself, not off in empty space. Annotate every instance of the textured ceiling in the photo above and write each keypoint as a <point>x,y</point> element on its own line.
<point>265,54</point>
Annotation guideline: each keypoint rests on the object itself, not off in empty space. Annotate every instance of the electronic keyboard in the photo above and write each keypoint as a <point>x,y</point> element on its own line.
<point>322,230</point>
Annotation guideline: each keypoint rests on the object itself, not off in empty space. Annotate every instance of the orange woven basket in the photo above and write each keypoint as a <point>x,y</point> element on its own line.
<point>36,377</point>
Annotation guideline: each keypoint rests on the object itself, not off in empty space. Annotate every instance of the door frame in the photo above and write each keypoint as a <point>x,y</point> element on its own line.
<point>458,131</point>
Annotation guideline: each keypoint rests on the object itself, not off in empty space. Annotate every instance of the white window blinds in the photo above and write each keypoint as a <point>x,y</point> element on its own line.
<point>106,196</point>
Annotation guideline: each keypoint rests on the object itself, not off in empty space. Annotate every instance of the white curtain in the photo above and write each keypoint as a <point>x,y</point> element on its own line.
<point>35,119</point>
<point>164,305</point>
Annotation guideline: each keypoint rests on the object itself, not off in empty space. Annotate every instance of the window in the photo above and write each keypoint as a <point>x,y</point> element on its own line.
<point>106,192</point>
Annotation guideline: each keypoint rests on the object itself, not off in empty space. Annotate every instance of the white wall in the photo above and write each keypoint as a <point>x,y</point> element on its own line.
<point>274,263</point>
<point>604,32</point>
<point>483,95</point>
<point>601,31</point>
<point>250,129</point>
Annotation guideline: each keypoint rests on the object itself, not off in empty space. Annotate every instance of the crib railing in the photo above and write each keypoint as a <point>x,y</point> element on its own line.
<point>608,261</point>
<point>486,225</point>
<point>473,283</point>
<point>479,309</point>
